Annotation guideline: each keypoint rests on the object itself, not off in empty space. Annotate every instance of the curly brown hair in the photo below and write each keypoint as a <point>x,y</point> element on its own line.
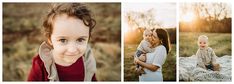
<point>76,10</point>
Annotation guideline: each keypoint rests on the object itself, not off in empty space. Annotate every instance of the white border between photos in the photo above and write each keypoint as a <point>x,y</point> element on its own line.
<point>232,39</point>
<point>177,42</point>
<point>122,40</point>
<point>1,45</point>
<point>122,46</point>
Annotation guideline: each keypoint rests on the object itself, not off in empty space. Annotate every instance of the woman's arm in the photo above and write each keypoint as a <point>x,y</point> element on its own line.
<point>160,55</point>
<point>146,65</point>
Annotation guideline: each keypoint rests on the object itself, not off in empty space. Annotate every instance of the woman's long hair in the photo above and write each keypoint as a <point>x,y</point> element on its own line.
<point>164,37</point>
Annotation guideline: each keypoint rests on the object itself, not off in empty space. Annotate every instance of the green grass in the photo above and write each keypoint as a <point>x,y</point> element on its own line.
<point>220,42</point>
<point>169,68</point>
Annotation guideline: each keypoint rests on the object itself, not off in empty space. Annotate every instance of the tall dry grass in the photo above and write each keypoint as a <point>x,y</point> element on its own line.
<point>22,23</point>
<point>220,42</point>
<point>108,57</point>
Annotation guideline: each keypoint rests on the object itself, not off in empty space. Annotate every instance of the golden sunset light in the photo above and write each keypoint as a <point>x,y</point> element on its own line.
<point>188,17</point>
<point>125,30</point>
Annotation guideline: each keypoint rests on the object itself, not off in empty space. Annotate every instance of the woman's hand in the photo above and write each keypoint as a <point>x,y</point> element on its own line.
<point>142,57</point>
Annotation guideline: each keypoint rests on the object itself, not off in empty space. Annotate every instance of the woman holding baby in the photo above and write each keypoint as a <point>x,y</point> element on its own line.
<point>154,60</point>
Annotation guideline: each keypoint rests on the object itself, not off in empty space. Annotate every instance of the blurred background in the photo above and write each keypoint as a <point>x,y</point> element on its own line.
<point>22,24</point>
<point>211,19</point>
<point>138,17</point>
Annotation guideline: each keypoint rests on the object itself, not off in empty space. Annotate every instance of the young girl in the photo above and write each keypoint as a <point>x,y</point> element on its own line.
<point>146,46</point>
<point>206,57</point>
<point>65,55</point>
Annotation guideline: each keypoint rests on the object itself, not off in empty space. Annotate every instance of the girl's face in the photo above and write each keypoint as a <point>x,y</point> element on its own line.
<point>69,38</point>
<point>202,43</point>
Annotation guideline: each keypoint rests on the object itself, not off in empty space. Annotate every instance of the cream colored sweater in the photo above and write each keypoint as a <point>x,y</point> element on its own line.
<point>205,57</point>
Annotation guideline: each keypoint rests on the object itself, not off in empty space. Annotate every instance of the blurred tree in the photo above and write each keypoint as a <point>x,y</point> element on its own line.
<point>209,17</point>
<point>139,21</point>
<point>145,19</point>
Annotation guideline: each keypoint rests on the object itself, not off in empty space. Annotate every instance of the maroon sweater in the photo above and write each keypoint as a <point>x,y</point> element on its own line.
<point>74,72</point>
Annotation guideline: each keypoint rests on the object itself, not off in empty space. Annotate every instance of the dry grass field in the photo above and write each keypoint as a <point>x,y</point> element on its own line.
<point>220,42</point>
<point>22,36</point>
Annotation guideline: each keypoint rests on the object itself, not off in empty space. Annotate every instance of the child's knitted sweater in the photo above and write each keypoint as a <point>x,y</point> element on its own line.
<point>205,57</point>
<point>145,47</point>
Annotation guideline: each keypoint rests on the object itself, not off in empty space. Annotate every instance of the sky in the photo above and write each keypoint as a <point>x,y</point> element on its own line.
<point>165,12</point>
<point>211,10</point>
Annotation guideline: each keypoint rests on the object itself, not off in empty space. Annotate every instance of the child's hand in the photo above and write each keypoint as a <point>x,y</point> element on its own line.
<point>136,60</point>
<point>142,57</point>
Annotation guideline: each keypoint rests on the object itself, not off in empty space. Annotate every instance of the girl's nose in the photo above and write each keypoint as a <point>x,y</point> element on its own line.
<point>72,49</point>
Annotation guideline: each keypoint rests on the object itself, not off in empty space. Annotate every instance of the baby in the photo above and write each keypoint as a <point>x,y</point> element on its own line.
<point>146,46</point>
<point>206,57</point>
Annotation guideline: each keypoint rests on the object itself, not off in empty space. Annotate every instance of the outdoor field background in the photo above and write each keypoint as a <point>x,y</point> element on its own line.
<point>22,24</point>
<point>130,46</point>
<point>219,42</point>
<point>141,16</point>
<point>210,19</point>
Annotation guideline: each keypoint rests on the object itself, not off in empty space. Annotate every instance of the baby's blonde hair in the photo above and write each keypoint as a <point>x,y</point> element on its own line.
<point>202,37</point>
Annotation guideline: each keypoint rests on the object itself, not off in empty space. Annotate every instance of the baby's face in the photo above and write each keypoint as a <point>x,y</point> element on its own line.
<point>202,43</point>
<point>69,38</point>
<point>148,36</point>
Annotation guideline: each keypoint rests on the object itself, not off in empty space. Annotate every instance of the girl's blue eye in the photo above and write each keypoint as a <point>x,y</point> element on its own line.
<point>63,40</point>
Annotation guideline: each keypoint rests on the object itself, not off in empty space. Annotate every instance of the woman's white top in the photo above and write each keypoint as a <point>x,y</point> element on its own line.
<point>158,58</point>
